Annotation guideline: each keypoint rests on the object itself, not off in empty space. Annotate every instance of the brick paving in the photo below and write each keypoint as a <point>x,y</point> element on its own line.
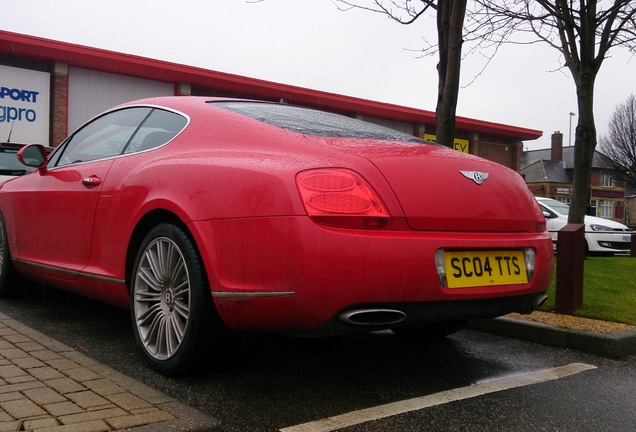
<point>46,386</point>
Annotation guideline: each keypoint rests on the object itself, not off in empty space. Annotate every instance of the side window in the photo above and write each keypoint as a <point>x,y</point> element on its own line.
<point>159,128</point>
<point>105,136</point>
<point>546,211</point>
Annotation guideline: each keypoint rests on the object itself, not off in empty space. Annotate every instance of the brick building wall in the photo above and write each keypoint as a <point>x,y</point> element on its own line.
<point>504,153</point>
<point>59,103</point>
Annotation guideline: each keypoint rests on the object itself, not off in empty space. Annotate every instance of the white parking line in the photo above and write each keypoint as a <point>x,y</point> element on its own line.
<point>395,408</point>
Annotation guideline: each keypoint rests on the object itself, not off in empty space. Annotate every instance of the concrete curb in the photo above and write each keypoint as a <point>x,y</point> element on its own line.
<point>613,345</point>
<point>185,417</point>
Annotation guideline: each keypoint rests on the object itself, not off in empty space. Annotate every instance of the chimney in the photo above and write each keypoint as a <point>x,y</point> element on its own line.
<point>556,153</point>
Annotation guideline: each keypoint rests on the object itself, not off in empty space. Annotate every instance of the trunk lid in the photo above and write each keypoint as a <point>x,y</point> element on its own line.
<point>441,189</point>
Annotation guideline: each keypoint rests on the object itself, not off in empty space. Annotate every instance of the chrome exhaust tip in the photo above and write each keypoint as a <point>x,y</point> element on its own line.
<point>539,301</point>
<point>372,317</point>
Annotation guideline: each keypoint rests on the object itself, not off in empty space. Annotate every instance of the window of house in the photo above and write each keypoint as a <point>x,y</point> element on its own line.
<point>605,208</point>
<point>607,180</point>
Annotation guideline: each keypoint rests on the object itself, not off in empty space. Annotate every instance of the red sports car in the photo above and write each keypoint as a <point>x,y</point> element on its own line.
<point>204,213</point>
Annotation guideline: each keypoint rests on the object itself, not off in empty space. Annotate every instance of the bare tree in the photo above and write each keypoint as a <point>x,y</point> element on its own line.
<point>450,24</point>
<point>620,144</point>
<point>583,31</point>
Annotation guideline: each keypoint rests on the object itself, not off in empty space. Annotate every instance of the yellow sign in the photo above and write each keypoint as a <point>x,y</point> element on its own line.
<point>458,143</point>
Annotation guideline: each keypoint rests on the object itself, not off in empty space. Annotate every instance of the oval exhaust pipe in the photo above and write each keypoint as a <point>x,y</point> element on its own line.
<point>372,317</point>
<point>540,301</point>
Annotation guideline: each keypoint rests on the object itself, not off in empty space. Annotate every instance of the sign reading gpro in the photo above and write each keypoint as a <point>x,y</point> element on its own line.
<point>24,106</point>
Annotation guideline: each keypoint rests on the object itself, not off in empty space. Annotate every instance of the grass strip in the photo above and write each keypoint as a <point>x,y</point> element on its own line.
<point>609,289</point>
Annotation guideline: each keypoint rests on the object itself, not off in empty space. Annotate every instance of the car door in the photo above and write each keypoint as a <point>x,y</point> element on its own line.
<point>55,210</point>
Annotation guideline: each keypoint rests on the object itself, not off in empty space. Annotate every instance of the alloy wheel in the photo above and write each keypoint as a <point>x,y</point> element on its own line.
<point>162,298</point>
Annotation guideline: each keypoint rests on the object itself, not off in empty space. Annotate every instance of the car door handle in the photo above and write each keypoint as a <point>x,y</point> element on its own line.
<point>91,181</point>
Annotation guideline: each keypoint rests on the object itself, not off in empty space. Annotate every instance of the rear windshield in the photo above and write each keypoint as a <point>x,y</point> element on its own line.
<point>313,122</point>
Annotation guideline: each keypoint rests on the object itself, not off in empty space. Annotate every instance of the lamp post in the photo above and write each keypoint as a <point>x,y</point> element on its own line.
<point>570,133</point>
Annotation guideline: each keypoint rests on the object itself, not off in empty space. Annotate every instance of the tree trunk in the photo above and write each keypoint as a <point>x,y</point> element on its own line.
<point>584,147</point>
<point>450,25</point>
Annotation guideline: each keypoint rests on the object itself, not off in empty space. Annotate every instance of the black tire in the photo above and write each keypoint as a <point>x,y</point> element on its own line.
<point>436,330</point>
<point>170,301</point>
<point>8,276</point>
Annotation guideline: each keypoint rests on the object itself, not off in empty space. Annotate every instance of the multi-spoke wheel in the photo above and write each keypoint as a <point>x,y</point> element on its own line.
<point>170,299</point>
<point>8,275</point>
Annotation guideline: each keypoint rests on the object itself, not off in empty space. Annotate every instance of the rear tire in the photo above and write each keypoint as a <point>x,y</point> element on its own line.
<point>171,306</point>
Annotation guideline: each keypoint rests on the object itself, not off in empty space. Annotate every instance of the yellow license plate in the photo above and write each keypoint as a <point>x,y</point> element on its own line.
<point>484,268</point>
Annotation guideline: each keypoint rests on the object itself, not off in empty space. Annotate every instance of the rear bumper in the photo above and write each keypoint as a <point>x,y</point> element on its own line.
<point>289,275</point>
<point>416,314</point>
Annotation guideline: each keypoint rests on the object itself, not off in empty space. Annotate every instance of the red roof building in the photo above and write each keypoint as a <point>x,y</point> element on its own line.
<point>79,74</point>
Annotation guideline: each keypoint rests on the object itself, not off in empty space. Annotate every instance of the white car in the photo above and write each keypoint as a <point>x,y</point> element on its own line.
<point>602,236</point>
<point>9,165</point>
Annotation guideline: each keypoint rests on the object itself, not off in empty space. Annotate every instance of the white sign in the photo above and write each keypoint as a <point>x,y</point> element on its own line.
<point>24,106</point>
<point>564,191</point>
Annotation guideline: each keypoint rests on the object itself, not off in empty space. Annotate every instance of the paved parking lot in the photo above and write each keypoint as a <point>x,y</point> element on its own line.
<point>268,384</point>
<point>47,386</point>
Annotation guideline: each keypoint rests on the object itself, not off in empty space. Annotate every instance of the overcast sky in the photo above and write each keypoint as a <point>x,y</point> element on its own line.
<point>310,43</point>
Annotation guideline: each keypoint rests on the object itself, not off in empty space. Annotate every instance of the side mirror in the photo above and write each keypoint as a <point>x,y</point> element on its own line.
<point>547,215</point>
<point>33,155</point>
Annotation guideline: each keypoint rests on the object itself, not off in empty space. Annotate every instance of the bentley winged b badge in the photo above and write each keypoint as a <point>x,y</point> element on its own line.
<point>476,176</point>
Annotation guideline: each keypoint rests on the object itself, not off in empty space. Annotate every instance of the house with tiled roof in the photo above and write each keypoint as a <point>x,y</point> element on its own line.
<point>549,173</point>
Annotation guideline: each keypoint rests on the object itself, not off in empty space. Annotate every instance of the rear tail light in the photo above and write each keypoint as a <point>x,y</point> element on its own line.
<point>340,197</point>
<point>529,256</point>
<point>541,223</point>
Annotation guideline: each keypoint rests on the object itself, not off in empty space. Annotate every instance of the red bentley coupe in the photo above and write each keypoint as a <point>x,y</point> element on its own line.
<point>202,213</point>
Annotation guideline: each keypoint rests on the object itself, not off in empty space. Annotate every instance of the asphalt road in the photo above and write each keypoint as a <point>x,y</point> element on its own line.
<point>269,383</point>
